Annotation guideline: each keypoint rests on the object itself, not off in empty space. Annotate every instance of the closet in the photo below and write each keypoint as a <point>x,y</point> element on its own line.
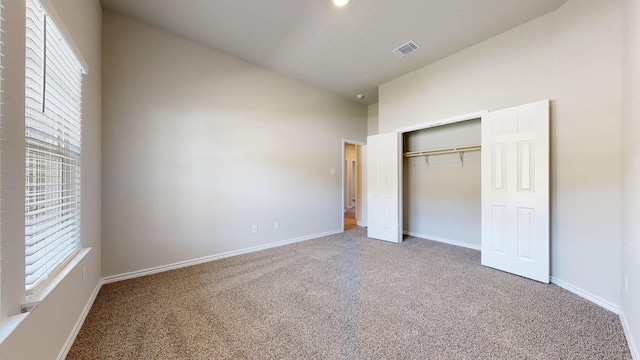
<point>442,183</point>
<point>479,180</point>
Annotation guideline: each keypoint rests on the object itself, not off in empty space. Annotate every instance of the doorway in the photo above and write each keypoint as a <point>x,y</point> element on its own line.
<point>351,184</point>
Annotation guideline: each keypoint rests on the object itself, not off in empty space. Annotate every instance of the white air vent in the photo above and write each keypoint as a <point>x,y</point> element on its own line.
<point>406,49</point>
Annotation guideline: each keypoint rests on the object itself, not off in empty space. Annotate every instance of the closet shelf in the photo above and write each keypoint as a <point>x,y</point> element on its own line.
<point>461,149</point>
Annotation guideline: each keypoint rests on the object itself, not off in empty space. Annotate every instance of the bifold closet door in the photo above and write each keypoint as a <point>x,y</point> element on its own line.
<point>515,190</point>
<point>383,200</point>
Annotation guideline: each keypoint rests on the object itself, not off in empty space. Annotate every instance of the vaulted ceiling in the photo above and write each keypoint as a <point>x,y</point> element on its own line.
<point>347,50</point>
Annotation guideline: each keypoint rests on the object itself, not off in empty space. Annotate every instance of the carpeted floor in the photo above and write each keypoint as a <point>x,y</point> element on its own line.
<point>346,297</point>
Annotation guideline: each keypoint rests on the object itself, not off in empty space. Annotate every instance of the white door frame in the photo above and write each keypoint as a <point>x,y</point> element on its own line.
<point>344,142</point>
<point>447,121</point>
<point>402,131</point>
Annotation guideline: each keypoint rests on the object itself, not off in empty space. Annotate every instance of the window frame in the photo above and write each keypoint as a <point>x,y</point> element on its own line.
<point>59,151</point>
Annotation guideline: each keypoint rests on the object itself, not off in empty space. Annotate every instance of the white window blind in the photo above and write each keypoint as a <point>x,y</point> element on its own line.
<point>53,143</point>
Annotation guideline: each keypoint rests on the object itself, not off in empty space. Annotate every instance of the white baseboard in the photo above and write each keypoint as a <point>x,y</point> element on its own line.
<point>76,328</point>
<point>181,264</point>
<point>633,348</point>
<point>587,295</point>
<point>443,240</point>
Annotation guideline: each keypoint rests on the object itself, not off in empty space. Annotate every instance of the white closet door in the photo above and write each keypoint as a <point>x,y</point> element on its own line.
<point>362,205</point>
<point>515,190</point>
<point>382,188</point>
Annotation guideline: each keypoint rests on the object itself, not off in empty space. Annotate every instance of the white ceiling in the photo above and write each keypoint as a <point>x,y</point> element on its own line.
<point>344,50</point>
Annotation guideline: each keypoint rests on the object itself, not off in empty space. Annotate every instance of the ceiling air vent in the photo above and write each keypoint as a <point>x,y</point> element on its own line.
<point>406,49</point>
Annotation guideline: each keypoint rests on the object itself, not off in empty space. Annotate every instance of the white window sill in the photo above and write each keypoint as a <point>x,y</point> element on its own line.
<point>11,323</point>
<point>8,325</point>
<point>34,299</point>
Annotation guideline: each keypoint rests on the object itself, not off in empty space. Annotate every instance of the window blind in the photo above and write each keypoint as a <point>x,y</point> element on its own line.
<point>53,143</point>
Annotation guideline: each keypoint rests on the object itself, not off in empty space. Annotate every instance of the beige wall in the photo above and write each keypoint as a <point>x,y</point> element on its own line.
<point>631,171</point>
<point>441,199</point>
<point>372,120</point>
<point>571,56</point>
<point>53,320</point>
<point>197,149</point>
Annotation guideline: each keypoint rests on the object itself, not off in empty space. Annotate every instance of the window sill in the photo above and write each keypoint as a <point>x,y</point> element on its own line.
<point>8,325</point>
<point>34,299</point>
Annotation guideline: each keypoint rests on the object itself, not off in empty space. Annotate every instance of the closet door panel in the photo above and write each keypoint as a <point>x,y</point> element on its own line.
<point>515,190</point>
<point>382,188</point>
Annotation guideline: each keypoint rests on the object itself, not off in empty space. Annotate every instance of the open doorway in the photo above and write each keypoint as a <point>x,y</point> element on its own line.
<point>350,187</point>
<point>351,183</point>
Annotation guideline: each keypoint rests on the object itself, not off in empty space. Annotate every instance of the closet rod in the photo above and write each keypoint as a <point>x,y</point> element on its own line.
<point>443,151</point>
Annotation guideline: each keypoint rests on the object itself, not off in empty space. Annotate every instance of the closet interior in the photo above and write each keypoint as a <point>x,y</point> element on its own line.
<point>441,183</point>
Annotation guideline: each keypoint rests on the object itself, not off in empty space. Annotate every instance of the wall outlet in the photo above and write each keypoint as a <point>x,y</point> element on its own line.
<point>276,226</point>
<point>626,284</point>
<point>84,274</point>
<point>254,229</point>
<point>333,171</point>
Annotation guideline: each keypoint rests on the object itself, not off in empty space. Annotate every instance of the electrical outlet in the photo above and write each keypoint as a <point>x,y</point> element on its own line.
<point>84,274</point>
<point>254,229</point>
<point>626,284</point>
<point>276,226</point>
<point>333,171</point>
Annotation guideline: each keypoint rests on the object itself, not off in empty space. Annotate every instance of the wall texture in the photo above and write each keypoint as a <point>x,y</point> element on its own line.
<point>631,171</point>
<point>197,149</point>
<point>372,120</point>
<point>442,199</point>
<point>53,320</point>
<point>571,56</point>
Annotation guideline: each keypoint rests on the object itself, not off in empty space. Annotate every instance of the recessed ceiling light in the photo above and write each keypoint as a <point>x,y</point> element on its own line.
<point>360,96</point>
<point>340,3</point>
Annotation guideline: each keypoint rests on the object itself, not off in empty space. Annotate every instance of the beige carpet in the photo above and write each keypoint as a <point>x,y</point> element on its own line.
<point>346,297</point>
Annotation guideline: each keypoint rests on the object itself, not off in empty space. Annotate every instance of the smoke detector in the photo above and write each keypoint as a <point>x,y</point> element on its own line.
<point>406,49</point>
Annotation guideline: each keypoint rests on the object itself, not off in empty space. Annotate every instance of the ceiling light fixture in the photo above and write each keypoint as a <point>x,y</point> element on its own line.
<point>360,96</point>
<point>340,3</point>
